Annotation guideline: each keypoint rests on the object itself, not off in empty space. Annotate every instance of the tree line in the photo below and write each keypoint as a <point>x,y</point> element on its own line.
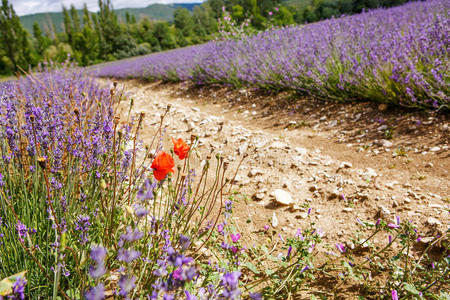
<point>90,38</point>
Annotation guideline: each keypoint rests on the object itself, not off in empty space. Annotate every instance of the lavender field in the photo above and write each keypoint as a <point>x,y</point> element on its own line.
<point>398,55</point>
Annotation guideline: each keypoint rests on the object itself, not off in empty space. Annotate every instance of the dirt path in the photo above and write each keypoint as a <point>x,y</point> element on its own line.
<point>333,159</point>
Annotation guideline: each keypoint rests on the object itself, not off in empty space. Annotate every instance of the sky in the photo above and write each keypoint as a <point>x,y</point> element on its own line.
<point>27,7</point>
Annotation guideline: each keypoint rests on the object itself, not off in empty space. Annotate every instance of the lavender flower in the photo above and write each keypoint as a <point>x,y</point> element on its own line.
<point>230,283</point>
<point>96,293</point>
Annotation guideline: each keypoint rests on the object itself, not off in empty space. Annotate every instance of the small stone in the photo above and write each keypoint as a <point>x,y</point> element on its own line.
<point>382,107</point>
<point>429,165</point>
<point>242,148</point>
<point>254,172</point>
<point>278,145</point>
<point>195,109</point>
<point>283,197</point>
<point>435,205</point>
<point>371,173</point>
<point>345,164</point>
<point>301,151</point>
<point>384,212</point>
<point>433,222</point>
<point>435,149</point>
<point>274,220</point>
<point>347,209</point>
<point>258,196</point>
<point>386,143</point>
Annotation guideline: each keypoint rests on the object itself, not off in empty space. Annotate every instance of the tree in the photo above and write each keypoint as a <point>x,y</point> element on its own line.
<point>183,21</point>
<point>42,42</point>
<point>14,38</point>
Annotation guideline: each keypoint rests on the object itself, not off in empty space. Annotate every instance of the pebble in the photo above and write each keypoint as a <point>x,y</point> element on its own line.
<point>433,222</point>
<point>386,143</point>
<point>274,220</point>
<point>435,149</point>
<point>384,212</point>
<point>283,197</point>
<point>345,164</point>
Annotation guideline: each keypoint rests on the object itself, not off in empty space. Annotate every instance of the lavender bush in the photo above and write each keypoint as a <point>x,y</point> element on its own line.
<point>87,211</point>
<point>397,55</point>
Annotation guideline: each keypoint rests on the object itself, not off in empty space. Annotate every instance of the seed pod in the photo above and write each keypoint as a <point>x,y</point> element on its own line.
<point>115,84</point>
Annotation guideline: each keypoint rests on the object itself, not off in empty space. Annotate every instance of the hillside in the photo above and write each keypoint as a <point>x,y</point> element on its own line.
<point>153,11</point>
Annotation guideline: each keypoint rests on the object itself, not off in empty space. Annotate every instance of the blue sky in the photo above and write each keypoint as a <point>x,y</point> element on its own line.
<point>26,7</point>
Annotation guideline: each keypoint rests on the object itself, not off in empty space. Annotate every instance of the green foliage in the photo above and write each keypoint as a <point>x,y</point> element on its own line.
<point>15,43</point>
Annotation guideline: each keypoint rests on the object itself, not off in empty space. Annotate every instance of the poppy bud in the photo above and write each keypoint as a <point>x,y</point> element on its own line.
<point>169,106</point>
<point>76,111</point>
<point>115,83</point>
<point>32,118</point>
<point>42,161</point>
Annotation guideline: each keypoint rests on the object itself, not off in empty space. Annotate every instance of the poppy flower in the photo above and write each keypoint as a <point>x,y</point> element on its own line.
<point>180,148</point>
<point>162,165</point>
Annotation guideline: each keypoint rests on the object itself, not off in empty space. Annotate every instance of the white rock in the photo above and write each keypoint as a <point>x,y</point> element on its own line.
<point>371,173</point>
<point>345,164</point>
<point>433,222</point>
<point>435,149</point>
<point>301,151</point>
<point>386,143</point>
<point>384,212</point>
<point>347,209</point>
<point>278,145</point>
<point>283,197</point>
<point>242,148</point>
<point>274,220</point>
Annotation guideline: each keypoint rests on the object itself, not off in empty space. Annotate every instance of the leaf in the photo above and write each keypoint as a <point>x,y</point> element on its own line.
<point>411,289</point>
<point>7,283</point>
<point>251,267</point>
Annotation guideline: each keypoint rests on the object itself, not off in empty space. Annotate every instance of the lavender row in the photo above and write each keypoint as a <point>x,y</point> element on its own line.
<point>397,55</point>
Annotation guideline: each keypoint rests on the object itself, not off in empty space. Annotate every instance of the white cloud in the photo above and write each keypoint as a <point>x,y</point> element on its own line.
<point>27,7</point>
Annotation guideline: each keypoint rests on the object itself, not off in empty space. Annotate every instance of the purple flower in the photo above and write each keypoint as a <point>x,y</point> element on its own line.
<point>82,225</point>
<point>184,242</point>
<point>340,247</point>
<point>96,293</point>
<point>220,228</point>
<point>266,227</point>
<point>22,230</point>
<point>230,283</point>
<point>235,237</point>
<point>128,255</point>
<point>255,296</point>
<point>126,285</point>
<point>131,235</point>
<point>18,288</point>
<point>394,295</point>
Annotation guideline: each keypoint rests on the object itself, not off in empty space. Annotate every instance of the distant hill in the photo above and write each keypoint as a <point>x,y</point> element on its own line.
<point>153,11</point>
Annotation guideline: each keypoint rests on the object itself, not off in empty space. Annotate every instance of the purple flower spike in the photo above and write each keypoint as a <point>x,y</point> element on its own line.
<point>394,295</point>
<point>96,293</point>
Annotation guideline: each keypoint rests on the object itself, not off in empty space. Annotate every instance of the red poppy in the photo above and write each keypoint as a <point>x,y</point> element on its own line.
<point>162,165</point>
<point>180,148</point>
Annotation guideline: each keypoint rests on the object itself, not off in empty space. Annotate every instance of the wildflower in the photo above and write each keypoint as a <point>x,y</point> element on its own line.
<point>255,296</point>
<point>82,224</point>
<point>98,255</point>
<point>340,247</point>
<point>2,183</point>
<point>394,295</point>
<point>230,283</point>
<point>180,148</point>
<point>162,165</point>
<point>235,237</point>
<point>266,227</point>
<point>128,255</point>
<point>21,230</point>
<point>18,288</point>
<point>220,228</point>
<point>96,293</point>
<point>184,242</point>
<point>126,284</point>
